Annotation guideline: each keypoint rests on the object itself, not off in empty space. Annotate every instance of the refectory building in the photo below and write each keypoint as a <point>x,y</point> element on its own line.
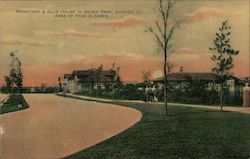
<point>80,80</point>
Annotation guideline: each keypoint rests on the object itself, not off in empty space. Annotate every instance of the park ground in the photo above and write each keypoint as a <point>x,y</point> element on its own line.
<point>187,132</point>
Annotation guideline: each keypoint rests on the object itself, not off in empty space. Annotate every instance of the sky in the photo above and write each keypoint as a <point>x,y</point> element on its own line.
<point>57,37</point>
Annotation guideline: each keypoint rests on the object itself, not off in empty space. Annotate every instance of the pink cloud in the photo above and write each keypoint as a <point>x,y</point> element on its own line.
<point>188,55</point>
<point>126,22</point>
<point>202,13</point>
<point>73,33</point>
<point>23,42</point>
<point>191,51</point>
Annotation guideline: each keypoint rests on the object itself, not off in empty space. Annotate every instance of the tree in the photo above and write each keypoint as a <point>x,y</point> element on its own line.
<point>59,84</point>
<point>163,33</point>
<point>99,73</point>
<point>8,83</point>
<point>118,77</point>
<point>19,78</point>
<point>146,76</point>
<point>118,82</point>
<point>223,55</point>
<point>16,75</point>
<point>113,72</point>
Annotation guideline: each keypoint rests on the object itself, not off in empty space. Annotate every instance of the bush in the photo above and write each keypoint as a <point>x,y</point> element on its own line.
<point>129,92</point>
<point>198,94</point>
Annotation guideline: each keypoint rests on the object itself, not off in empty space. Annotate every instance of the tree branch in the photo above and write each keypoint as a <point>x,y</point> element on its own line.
<point>162,10</point>
<point>171,33</point>
<point>160,30</point>
<point>167,11</point>
<point>156,37</point>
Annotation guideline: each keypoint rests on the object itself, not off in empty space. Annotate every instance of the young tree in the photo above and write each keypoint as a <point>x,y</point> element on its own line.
<point>223,55</point>
<point>163,32</point>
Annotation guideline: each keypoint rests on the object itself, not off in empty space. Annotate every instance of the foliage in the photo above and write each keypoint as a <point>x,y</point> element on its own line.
<point>16,76</point>
<point>223,50</point>
<point>127,92</point>
<point>197,92</point>
<point>8,84</point>
<point>223,57</point>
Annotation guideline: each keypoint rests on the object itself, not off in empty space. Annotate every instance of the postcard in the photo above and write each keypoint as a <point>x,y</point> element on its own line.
<point>121,79</point>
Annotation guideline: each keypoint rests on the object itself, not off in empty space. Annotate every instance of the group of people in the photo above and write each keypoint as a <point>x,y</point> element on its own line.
<point>151,94</point>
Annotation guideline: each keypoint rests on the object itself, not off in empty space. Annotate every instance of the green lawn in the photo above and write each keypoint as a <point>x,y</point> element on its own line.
<point>11,104</point>
<point>185,133</point>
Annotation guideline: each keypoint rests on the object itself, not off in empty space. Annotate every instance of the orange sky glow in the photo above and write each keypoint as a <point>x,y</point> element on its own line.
<point>49,46</point>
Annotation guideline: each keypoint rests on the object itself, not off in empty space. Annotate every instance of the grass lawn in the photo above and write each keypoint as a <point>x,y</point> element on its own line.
<point>11,104</point>
<point>185,133</point>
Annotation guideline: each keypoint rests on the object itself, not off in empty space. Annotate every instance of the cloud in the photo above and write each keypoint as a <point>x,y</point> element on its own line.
<point>23,42</point>
<point>72,33</point>
<point>187,55</point>
<point>202,14</point>
<point>190,51</point>
<point>130,21</point>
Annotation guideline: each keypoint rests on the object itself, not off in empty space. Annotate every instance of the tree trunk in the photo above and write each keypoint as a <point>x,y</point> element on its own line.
<point>221,96</point>
<point>165,82</point>
<point>165,98</point>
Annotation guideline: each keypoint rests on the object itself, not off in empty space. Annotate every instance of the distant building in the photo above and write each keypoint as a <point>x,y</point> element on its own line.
<point>180,79</point>
<point>245,80</point>
<point>91,79</point>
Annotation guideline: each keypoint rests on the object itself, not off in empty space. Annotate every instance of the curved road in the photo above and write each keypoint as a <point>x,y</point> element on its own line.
<point>55,127</point>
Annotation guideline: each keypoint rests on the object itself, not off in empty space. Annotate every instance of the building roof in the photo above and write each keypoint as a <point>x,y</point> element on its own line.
<point>93,78</point>
<point>92,75</point>
<point>245,80</point>
<point>185,76</point>
<point>67,76</point>
<point>92,72</point>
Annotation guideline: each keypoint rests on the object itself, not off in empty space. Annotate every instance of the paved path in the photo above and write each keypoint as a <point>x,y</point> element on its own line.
<point>54,126</point>
<point>236,109</point>
<point>102,99</point>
